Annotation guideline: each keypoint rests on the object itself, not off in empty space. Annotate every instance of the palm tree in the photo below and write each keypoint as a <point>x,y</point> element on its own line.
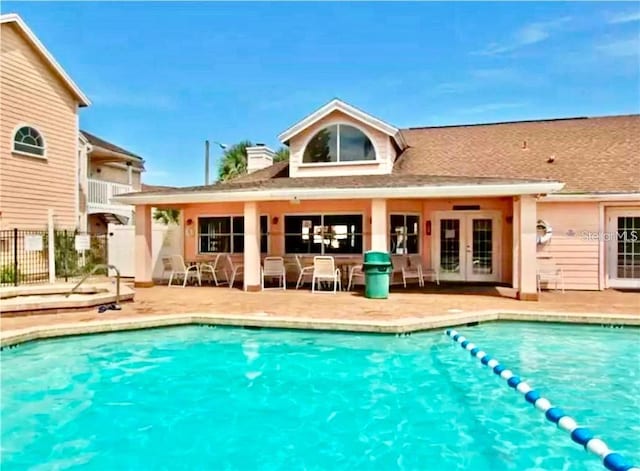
<point>281,154</point>
<point>234,161</point>
<point>167,216</point>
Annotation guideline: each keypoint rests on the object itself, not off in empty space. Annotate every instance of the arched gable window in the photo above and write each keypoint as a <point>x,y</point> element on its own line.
<point>28,140</point>
<point>339,143</point>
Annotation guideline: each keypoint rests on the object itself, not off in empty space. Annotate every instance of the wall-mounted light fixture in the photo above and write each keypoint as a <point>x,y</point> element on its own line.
<point>274,220</point>
<point>189,221</point>
<point>509,219</point>
<point>427,228</point>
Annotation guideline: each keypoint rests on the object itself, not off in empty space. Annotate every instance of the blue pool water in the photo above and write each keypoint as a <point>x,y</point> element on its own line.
<point>221,398</point>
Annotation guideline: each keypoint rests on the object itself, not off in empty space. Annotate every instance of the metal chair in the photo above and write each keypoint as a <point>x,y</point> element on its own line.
<point>234,269</point>
<point>356,272</point>
<point>324,269</point>
<point>412,269</point>
<point>548,271</point>
<point>273,267</point>
<point>179,269</point>
<point>218,267</point>
<point>302,271</point>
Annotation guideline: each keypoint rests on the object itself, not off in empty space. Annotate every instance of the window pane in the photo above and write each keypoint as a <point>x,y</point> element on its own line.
<point>214,234</point>
<point>264,234</point>
<point>238,225</point>
<point>354,145</point>
<point>238,243</point>
<point>322,147</point>
<point>413,224</point>
<point>397,236</point>
<point>303,234</point>
<point>342,234</point>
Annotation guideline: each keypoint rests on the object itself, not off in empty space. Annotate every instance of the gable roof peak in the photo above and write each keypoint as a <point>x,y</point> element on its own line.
<point>14,18</point>
<point>336,104</point>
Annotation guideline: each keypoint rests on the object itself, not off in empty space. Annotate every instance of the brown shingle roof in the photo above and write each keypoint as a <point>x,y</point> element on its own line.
<point>356,181</point>
<point>97,141</point>
<point>588,154</point>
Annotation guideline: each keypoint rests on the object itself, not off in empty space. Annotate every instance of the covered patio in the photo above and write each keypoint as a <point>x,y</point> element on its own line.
<point>468,230</point>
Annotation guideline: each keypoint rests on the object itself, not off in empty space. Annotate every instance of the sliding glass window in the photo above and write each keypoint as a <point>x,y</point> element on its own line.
<point>323,234</point>
<point>226,234</point>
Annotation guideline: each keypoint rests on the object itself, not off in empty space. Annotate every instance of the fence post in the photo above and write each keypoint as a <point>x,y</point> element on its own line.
<point>52,248</point>
<point>15,256</point>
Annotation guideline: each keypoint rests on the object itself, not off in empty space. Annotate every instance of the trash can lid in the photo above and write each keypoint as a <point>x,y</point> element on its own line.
<point>374,256</point>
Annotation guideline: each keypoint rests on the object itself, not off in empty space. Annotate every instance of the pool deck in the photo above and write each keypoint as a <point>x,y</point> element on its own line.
<point>404,311</point>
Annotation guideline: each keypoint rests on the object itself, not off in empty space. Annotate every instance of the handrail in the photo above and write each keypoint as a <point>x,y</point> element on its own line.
<point>96,268</point>
<point>581,435</point>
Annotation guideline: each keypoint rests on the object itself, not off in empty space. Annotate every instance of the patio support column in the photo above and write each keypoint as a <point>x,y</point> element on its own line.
<point>527,289</point>
<point>144,268</point>
<point>515,274</point>
<point>251,277</point>
<point>379,229</point>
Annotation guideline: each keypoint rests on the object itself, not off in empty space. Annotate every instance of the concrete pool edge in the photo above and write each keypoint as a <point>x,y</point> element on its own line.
<point>12,338</point>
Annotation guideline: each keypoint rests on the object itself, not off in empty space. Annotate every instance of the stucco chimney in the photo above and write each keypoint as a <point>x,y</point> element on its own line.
<point>259,157</point>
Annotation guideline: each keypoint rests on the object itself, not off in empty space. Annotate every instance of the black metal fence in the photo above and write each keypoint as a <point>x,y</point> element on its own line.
<point>24,256</point>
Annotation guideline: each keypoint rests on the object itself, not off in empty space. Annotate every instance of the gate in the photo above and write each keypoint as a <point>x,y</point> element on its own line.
<point>23,257</point>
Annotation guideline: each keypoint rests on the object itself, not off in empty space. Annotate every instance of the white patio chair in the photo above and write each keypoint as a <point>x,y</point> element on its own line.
<point>548,271</point>
<point>397,262</point>
<point>234,269</point>
<point>167,268</point>
<point>216,268</point>
<point>412,269</point>
<point>302,271</point>
<point>356,273</point>
<point>324,269</point>
<point>430,273</point>
<point>273,267</point>
<point>179,269</point>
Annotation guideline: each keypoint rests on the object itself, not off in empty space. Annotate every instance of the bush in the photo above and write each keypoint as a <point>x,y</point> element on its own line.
<point>7,274</point>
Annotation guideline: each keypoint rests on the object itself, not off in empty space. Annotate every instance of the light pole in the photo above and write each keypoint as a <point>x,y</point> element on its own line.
<point>206,158</point>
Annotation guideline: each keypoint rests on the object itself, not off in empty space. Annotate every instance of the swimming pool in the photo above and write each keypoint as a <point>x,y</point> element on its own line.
<point>200,397</point>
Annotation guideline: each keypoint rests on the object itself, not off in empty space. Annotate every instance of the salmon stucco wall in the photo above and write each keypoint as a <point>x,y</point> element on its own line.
<point>30,94</point>
<point>276,211</point>
<point>578,256</point>
<point>385,153</point>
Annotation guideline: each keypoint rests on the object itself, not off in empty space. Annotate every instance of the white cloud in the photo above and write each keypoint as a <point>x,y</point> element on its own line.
<point>527,35</point>
<point>627,17</point>
<point>628,47</point>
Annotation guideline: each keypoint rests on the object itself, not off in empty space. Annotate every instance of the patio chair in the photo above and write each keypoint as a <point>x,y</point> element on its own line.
<point>179,269</point>
<point>356,273</point>
<point>412,269</point>
<point>167,268</point>
<point>398,262</point>
<point>234,269</point>
<point>324,269</point>
<point>273,267</point>
<point>548,271</point>
<point>302,271</point>
<point>216,268</point>
<point>416,261</point>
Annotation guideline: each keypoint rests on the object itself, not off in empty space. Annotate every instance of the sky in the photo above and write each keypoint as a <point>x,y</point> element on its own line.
<point>163,77</point>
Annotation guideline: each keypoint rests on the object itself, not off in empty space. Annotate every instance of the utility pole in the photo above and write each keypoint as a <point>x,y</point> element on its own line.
<point>206,162</point>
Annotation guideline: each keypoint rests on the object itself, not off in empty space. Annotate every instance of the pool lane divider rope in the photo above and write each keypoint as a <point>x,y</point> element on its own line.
<point>581,435</point>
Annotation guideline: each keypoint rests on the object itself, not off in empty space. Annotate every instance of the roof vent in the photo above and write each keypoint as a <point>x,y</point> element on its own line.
<point>551,159</point>
<point>524,145</point>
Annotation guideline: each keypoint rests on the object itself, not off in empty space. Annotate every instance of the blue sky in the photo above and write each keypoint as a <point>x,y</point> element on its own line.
<point>163,77</point>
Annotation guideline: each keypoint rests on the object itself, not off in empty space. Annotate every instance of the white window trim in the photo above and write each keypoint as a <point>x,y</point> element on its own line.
<point>404,214</point>
<point>339,162</point>
<point>28,154</point>
<point>322,215</point>
<point>231,234</point>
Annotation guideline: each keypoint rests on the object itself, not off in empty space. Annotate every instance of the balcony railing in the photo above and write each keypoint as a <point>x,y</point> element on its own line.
<point>101,192</point>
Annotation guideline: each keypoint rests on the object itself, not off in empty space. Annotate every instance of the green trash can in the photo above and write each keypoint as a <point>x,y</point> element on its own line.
<point>377,272</point>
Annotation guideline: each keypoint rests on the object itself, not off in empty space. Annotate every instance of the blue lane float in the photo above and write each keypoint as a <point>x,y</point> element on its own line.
<point>581,435</point>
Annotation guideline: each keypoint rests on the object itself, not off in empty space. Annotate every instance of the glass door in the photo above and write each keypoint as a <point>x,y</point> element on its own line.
<point>481,259</point>
<point>450,252</point>
<point>466,245</point>
<point>623,239</point>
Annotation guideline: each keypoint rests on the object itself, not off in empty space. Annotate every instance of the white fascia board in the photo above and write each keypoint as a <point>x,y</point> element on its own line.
<point>14,18</point>
<point>439,191</point>
<point>339,105</point>
<point>568,197</point>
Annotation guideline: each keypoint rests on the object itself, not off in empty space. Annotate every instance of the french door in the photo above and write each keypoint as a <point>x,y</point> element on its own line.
<point>623,248</point>
<point>466,245</point>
